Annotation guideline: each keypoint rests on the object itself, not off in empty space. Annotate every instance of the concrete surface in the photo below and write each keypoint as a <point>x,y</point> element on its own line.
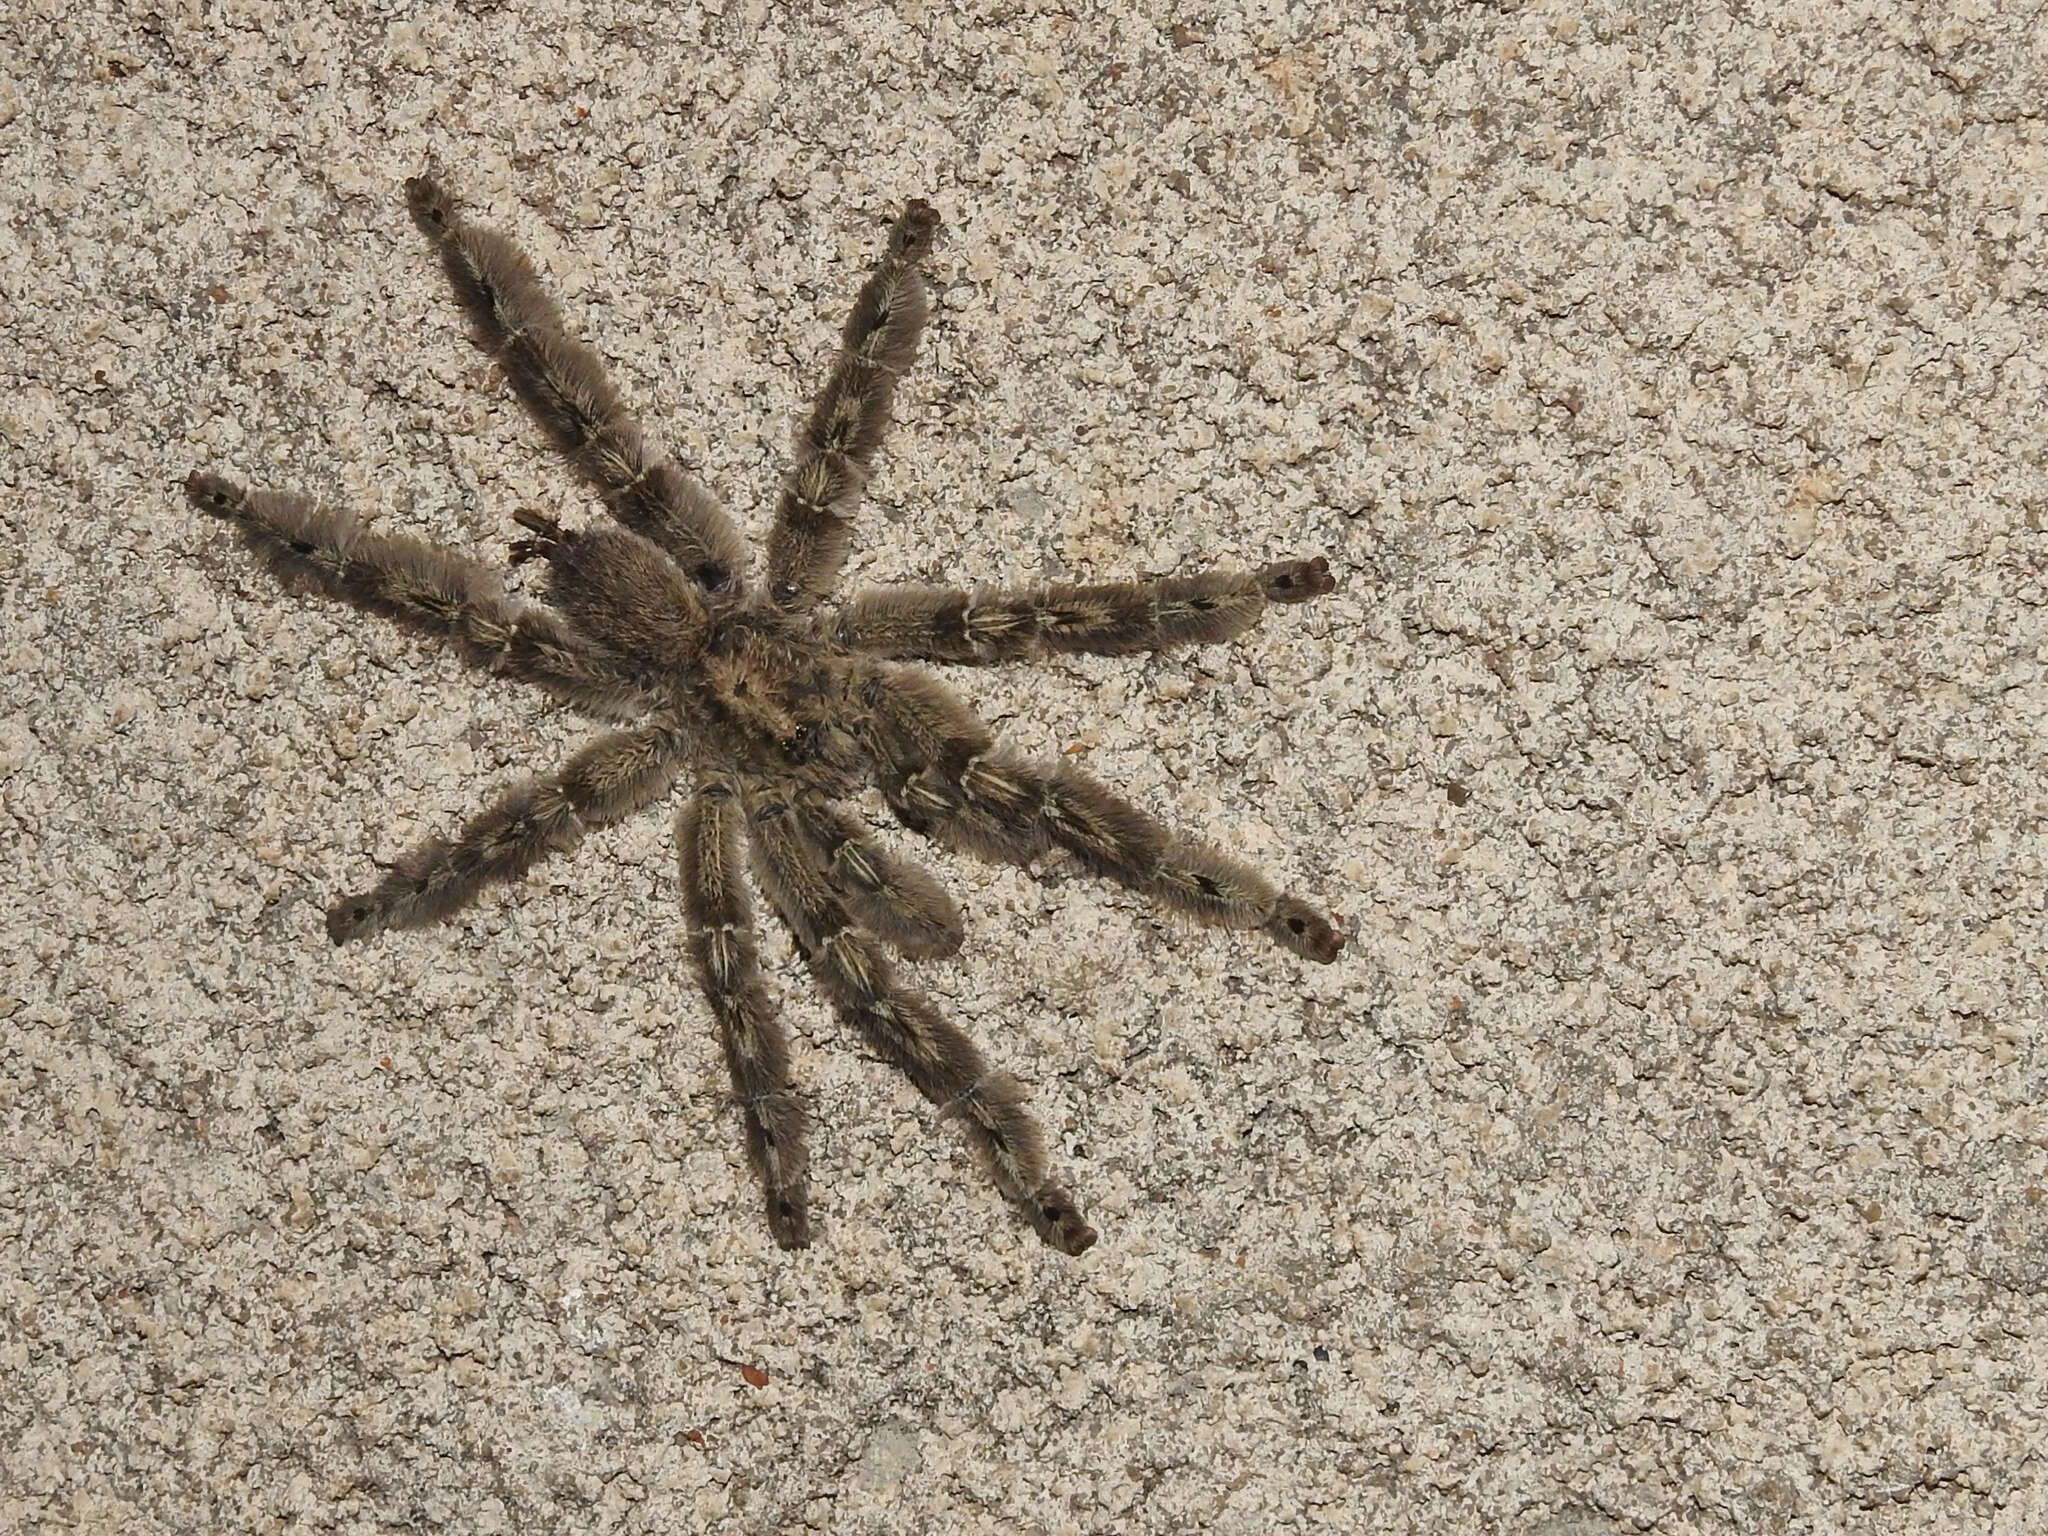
<point>1667,1154</point>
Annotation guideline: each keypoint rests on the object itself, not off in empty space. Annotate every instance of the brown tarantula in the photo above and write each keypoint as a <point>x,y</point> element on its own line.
<point>775,713</point>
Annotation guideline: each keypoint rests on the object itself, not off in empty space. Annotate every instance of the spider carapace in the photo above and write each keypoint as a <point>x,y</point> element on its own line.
<point>764,713</point>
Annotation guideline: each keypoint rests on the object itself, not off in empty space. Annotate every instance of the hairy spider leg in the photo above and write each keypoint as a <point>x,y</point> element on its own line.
<point>836,446</point>
<point>425,588</point>
<point>941,772</point>
<point>564,388</point>
<point>893,899</point>
<point>607,781</point>
<point>726,948</point>
<point>902,1026</point>
<point>1117,619</point>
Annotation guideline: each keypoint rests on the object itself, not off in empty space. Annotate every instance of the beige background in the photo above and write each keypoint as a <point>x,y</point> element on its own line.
<point>1667,1153</point>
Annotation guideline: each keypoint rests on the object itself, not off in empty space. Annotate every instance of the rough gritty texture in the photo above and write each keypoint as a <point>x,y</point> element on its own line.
<point>1668,1152</point>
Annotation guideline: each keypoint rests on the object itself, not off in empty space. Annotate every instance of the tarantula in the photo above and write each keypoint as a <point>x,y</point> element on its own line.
<point>774,712</point>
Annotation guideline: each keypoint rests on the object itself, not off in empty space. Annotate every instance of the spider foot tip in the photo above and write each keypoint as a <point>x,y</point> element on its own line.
<point>1074,1236</point>
<point>433,207</point>
<point>357,918</point>
<point>1297,926</point>
<point>789,1222</point>
<point>1060,1222</point>
<point>212,493</point>
<point>915,230</point>
<point>1296,581</point>
<point>549,536</point>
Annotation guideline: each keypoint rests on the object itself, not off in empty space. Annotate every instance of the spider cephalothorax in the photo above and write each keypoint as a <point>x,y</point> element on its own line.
<point>772,712</point>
